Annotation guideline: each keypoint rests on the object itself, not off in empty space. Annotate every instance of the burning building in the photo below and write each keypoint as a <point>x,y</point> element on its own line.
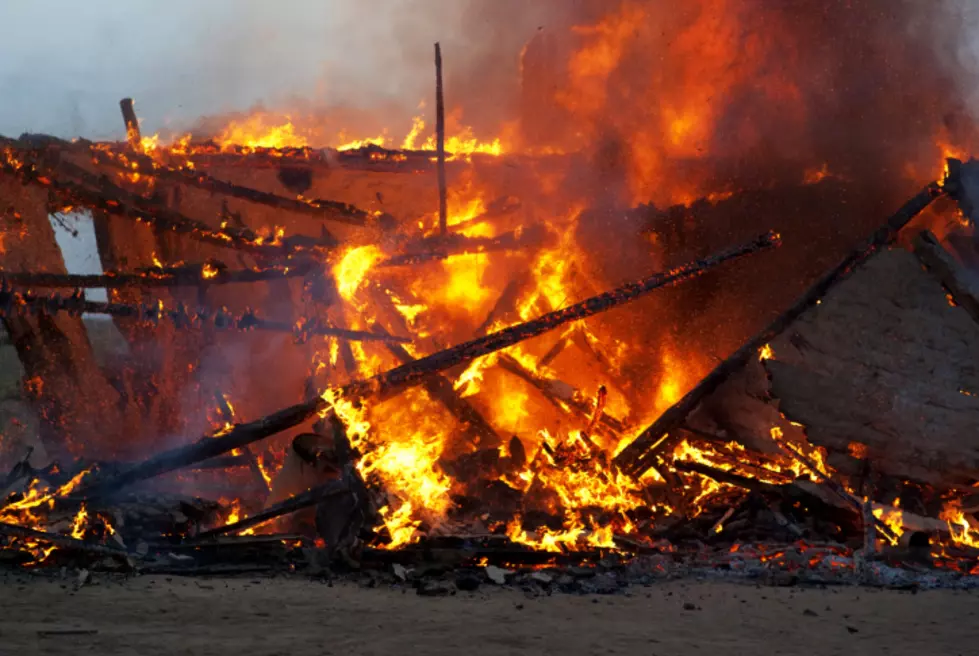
<point>413,336</point>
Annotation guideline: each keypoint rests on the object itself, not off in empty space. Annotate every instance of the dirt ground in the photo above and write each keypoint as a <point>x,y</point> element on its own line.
<point>296,617</point>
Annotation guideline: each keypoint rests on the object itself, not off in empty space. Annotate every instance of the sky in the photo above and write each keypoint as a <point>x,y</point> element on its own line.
<point>64,64</point>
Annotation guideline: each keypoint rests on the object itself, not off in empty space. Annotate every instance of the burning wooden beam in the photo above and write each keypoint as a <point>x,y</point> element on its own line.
<point>640,456</point>
<point>440,143</point>
<point>414,373</point>
<point>209,273</point>
<point>293,504</point>
<point>19,303</point>
<point>62,541</point>
<point>133,135</point>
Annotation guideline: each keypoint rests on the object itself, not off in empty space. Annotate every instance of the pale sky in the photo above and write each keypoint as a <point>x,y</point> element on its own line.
<point>64,64</point>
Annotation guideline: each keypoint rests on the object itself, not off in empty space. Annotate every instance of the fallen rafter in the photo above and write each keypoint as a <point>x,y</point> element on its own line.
<point>14,303</point>
<point>210,273</point>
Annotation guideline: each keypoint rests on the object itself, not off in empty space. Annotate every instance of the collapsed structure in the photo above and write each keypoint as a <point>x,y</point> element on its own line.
<point>540,436</point>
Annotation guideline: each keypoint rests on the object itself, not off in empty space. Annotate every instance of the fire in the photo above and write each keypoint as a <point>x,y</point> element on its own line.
<point>261,130</point>
<point>209,271</point>
<point>149,144</point>
<point>79,524</point>
<point>892,517</point>
<point>963,531</point>
<point>352,268</point>
<point>766,353</point>
<point>363,143</point>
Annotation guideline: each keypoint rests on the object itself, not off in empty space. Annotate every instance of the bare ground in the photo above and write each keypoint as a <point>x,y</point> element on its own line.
<point>294,616</point>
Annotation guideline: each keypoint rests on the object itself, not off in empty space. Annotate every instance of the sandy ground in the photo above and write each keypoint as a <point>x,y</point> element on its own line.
<point>296,617</point>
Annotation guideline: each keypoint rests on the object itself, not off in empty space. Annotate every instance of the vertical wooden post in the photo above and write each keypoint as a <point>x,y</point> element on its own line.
<point>440,142</point>
<point>133,135</point>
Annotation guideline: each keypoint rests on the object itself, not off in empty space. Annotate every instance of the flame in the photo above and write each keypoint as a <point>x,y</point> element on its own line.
<point>363,143</point>
<point>962,531</point>
<point>766,353</point>
<point>209,271</point>
<point>79,524</point>
<point>892,517</point>
<point>261,130</point>
<point>352,268</point>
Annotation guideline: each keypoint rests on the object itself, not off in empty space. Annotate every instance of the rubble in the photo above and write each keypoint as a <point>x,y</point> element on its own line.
<point>835,447</point>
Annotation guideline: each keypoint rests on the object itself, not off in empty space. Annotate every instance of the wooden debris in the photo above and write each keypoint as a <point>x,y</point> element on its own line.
<point>298,502</point>
<point>22,303</point>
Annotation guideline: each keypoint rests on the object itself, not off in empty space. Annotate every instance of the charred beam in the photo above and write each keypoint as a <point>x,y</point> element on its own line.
<point>19,303</point>
<point>293,504</point>
<point>133,135</point>
<point>440,143</point>
<point>640,455</point>
<point>414,373</point>
<point>210,273</point>
<point>61,541</point>
<point>930,252</point>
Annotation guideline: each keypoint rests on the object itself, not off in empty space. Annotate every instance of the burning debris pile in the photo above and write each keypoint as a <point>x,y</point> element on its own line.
<point>424,386</point>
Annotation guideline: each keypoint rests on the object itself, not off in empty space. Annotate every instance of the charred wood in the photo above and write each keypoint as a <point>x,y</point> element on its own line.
<point>639,456</point>
<point>62,541</point>
<point>210,273</point>
<point>14,303</point>
<point>440,143</point>
<point>948,272</point>
<point>133,135</point>
<point>298,502</point>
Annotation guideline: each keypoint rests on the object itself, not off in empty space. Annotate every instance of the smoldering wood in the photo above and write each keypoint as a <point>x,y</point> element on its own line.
<point>414,373</point>
<point>227,413</point>
<point>292,504</point>
<point>222,462</point>
<point>639,456</point>
<point>440,143</point>
<point>62,541</point>
<point>342,519</point>
<point>211,273</point>
<point>14,303</point>
<point>133,135</point>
